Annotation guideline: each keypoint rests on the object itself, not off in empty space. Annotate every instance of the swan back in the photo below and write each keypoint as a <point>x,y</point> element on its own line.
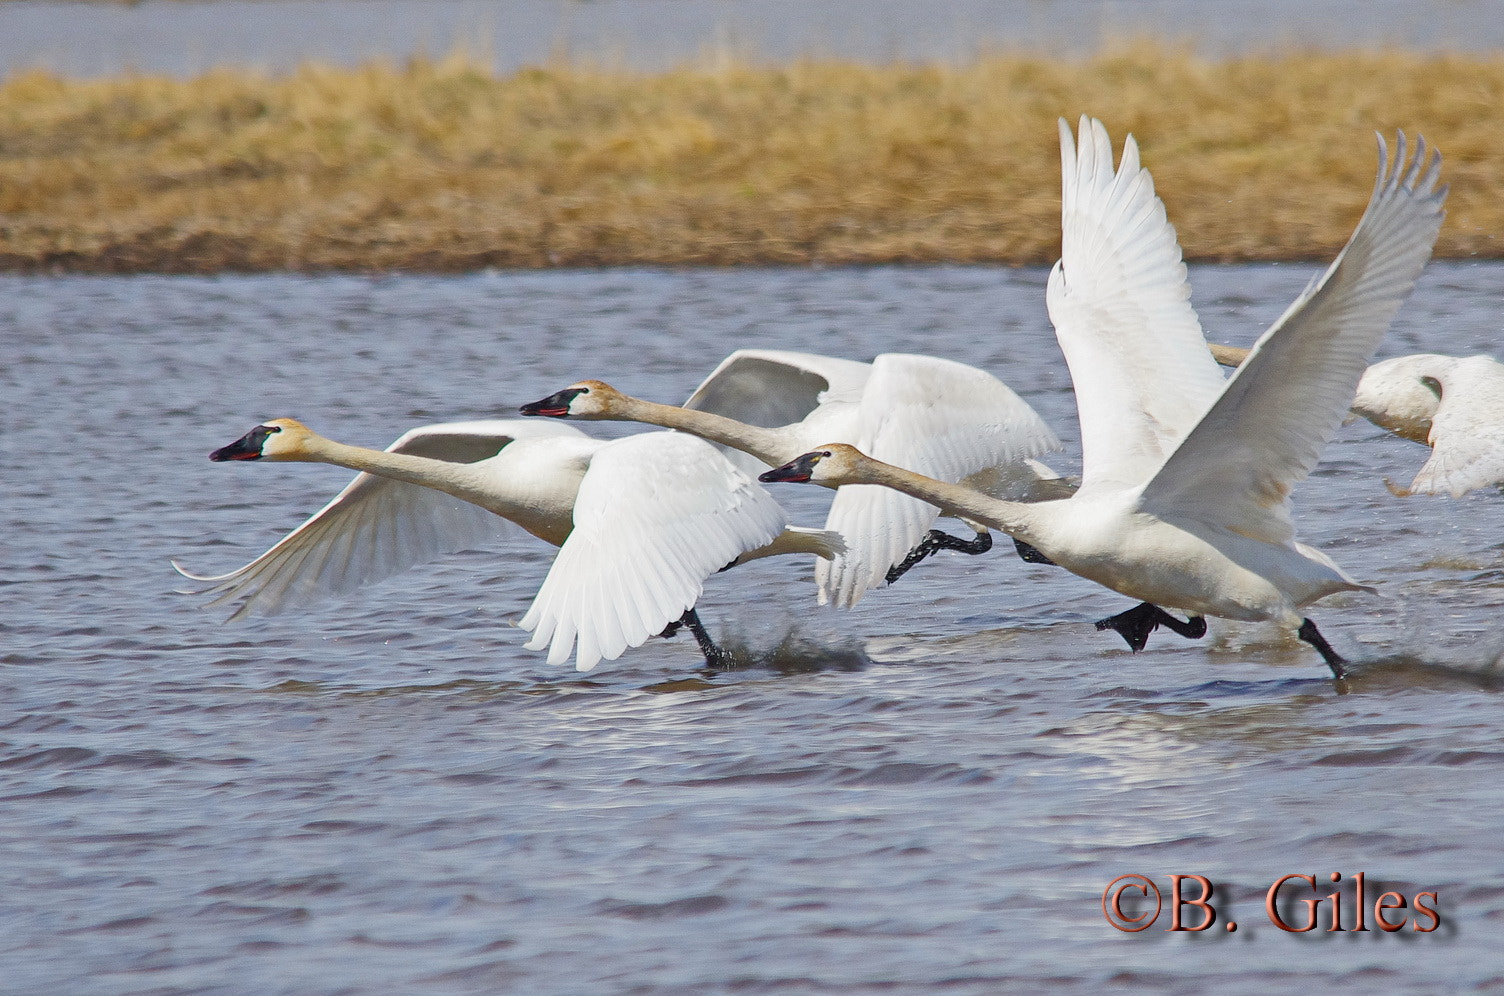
<point>1120,302</point>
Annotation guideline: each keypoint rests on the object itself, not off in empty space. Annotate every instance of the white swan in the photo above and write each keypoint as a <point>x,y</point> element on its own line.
<point>1453,404</point>
<point>640,522</point>
<point>1184,499</point>
<point>943,418</point>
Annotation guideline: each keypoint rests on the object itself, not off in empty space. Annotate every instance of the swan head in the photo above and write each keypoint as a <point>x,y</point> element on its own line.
<point>831,466</point>
<point>279,439</point>
<point>586,399</point>
<point>1403,393</point>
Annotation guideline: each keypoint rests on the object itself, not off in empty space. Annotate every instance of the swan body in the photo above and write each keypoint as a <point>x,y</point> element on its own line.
<point>943,418</point>
<point>1184,499</point>
<point>1453,404</point>
<point>640,522</point>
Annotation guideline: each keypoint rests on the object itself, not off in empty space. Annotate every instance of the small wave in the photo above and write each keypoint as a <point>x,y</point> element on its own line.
<point>673,908</point>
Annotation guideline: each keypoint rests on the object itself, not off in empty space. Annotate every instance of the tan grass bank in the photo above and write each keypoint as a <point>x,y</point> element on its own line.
<point>443,166</point>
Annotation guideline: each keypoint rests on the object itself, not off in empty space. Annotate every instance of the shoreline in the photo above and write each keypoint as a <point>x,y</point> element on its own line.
<point>444,167</point>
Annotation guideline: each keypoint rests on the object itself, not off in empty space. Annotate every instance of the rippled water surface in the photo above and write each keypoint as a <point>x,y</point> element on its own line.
<point>930,792</point>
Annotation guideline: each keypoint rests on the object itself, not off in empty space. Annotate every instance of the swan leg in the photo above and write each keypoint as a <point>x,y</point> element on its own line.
<point>1194,628</point>
<point>934,543</point>
<point>1029,555</point>
<point>1309,633</point>
<point>714,655</point>
<point>1137,623</point>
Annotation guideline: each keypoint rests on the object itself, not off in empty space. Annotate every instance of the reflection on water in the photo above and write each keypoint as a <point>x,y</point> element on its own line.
<point>389,793</point>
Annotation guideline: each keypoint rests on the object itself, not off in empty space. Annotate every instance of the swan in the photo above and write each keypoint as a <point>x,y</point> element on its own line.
<point>640,523</point>
<point>1453,404</point>
<point>1184,498</point>
<point>952,421</point>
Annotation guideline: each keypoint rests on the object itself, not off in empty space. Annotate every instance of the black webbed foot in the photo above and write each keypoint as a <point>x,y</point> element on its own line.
<point>1137,623</point>
<point>1309,633</point>
<point>934,543</point>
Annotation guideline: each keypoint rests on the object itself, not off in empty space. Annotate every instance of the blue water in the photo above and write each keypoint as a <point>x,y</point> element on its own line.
<point>929,793</point>
<point>181,37</point>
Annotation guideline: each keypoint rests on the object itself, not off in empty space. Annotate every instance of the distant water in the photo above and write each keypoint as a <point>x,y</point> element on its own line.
<point>180,38</point>
<point>927,794</point>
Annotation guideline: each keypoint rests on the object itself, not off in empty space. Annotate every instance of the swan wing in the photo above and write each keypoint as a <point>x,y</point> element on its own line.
<point>1120,303</point>
<point>1264,434</point>
<point>375,527</point>
<point>934,416</point>
<point>1467,432</point>
<point>657,514</point>
<point>774,387</point>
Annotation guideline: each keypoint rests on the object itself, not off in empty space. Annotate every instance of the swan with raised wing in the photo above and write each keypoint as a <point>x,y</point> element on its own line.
<point>640,523</point>
<point>1453,404</point>
<point>945,419</point>
<point>1184,498</point>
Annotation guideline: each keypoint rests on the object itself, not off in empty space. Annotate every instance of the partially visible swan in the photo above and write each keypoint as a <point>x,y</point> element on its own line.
<point>1453,404</point>
<point>640,523</point>
<point>1184,499</point>
<point>944,418</point>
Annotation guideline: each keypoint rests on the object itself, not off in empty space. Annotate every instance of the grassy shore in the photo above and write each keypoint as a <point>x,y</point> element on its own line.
<point>442,166</point>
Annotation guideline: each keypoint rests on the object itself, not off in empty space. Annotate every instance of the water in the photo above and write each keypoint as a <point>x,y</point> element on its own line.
<point>929,793</point>
<point>182,37</point>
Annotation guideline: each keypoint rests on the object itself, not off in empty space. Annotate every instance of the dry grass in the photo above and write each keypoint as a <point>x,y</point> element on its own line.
<point>443,166</point>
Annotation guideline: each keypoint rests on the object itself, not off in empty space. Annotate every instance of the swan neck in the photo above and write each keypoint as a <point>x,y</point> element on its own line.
<point>457,479</point>
<point>1011,517</point>
<point>768,445</point>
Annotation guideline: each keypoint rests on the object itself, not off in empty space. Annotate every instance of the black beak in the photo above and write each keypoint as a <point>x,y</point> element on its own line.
<point>555,405</point>
<point>797,471</point>
<point>247,447</point>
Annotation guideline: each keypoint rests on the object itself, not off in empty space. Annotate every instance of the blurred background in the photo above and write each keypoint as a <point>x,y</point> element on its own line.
<point>168,36</point>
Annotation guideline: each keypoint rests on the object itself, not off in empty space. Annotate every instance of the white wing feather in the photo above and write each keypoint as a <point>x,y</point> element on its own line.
<point>934,416</point>
<point>1264,434</point>
<point>375,527</point>
<point>656,515</point>
<point>772,388</point>
<point>1120,302</point>
<point>1467,432</point>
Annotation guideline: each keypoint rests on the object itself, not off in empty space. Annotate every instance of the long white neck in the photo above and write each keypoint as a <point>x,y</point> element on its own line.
<point>1017,519</point>
<point>462,480</point>
<point>771,446</point>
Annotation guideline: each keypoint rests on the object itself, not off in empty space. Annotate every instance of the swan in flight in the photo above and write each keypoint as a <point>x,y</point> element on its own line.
<point>640,523</point>
<point>942,418</point>
<point>1184,498</point>
<point>1453,404</point>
